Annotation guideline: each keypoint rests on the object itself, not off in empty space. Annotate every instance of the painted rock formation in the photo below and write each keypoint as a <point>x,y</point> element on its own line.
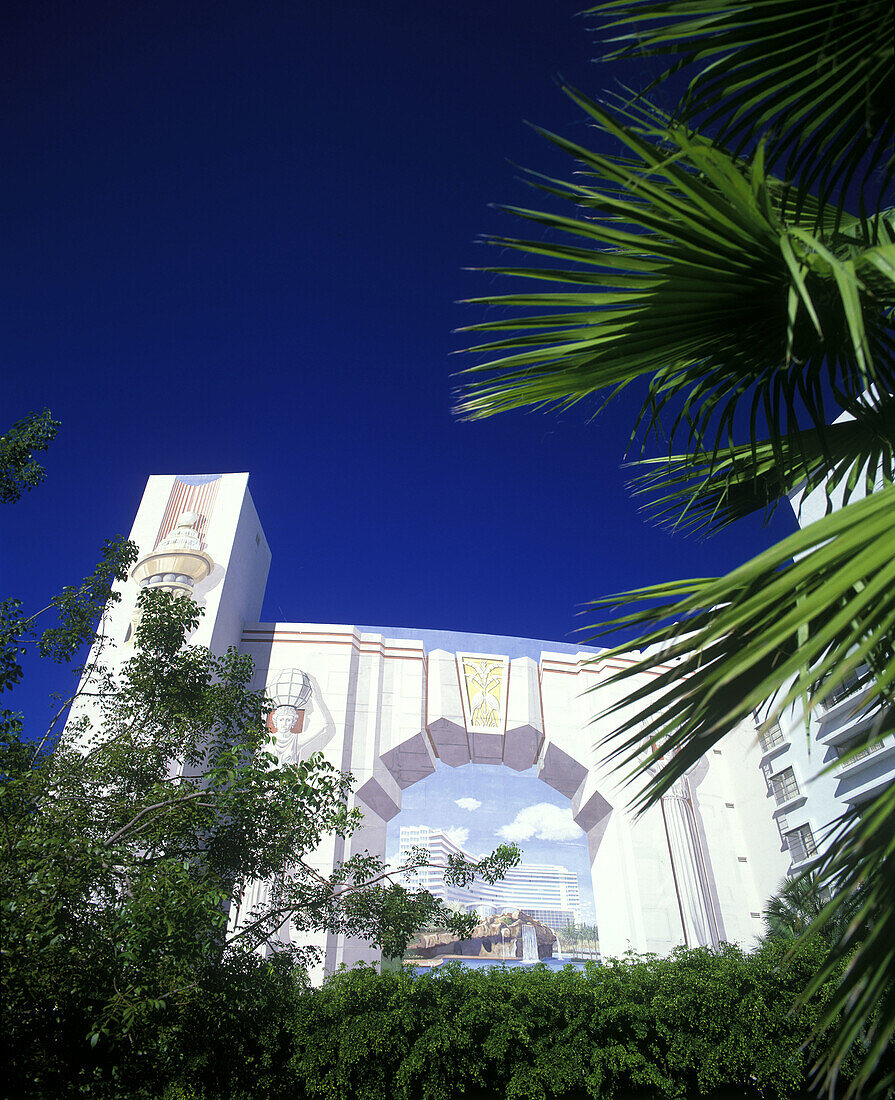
<point>498,937</point>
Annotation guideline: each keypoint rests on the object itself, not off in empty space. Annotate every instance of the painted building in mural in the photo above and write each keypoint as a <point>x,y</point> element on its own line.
<point>546,891</point>
<point>412,713</point>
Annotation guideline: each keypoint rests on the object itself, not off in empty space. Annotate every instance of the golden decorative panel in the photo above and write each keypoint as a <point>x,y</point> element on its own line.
<point>485,682</point>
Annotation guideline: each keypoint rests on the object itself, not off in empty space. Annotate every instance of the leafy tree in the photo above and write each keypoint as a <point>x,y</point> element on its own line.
<point>126,838</point>
<point>19,471</point>
<point>77,608</point>
<point>752,307</point>
<point>122,851</point>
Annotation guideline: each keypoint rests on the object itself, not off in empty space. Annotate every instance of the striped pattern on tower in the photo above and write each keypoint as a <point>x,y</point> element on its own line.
<point>188,498</point>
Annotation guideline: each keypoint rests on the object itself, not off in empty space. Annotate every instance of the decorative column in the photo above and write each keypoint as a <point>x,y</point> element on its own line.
<point>688,862</point>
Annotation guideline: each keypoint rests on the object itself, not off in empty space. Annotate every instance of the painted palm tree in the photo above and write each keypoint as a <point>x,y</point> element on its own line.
<point>743,274</point>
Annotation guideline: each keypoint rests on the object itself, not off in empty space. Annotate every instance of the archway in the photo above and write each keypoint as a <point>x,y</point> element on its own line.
<point>651,878</point>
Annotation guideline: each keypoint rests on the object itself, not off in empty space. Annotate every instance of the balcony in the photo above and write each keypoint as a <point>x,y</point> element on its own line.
<point>845,690</point>
<point>878,757</point>
<point>857,748</point>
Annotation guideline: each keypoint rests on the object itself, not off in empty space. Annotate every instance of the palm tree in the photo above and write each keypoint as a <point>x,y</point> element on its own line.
<point>794,910</point>
<point>743,274</point>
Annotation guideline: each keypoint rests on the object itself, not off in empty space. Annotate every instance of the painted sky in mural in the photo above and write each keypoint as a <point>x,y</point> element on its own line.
<point>479,807</point>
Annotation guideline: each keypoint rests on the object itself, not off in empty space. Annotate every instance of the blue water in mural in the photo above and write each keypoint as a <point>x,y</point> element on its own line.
<point>483,964</point>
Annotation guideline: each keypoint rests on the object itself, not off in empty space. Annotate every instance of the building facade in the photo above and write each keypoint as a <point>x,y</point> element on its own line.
<point>800,757</point>
<point>390,705</point>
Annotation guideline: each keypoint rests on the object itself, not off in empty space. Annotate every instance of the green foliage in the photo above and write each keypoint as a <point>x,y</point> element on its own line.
<point>122,852</point>
<point>780,627</point>
<point>77,610</point>
<point>126,840</point>
<point>689,268</point>
<point>688,493</point>
<point>19,471</point>
<point>860,863</point>
<point>744,304</point>
<point>115,872</point>
<point>795,911</point>
<point>700,1023</point>
<point>235,1038</point>
<point>816,78</point>
<point>691,1025</point>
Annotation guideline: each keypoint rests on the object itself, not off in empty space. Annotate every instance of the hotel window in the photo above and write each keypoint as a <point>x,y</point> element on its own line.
<point>770,737</point>
<point>859,746</point>
<point>784,786</point>
<point>801,843</point>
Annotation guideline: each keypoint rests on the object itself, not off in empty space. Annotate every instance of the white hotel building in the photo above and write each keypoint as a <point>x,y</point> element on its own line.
<point>389,704</point>
<point>799,760</point>
<point>545,891</point>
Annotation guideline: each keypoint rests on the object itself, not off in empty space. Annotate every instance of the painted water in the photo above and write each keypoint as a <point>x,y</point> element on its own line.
<point>484,964</point>
<point>529,944</point>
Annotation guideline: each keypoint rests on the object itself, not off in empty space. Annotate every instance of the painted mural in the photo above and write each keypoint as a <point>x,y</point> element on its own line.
<point>543,911</point>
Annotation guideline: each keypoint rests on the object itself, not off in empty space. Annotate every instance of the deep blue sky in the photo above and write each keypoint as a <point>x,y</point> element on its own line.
<point>235,236</point>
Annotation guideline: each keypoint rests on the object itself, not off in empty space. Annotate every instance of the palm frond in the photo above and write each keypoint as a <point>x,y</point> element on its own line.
<point>705,492</point>
<point>785,630</point>
<point>814,76</point>
<point>798,902</point>
<point>858,868</point>
<point>683,270</point>
<point>776,628</point>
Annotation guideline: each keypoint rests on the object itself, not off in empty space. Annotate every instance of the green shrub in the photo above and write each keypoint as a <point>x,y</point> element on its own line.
<point>700,1023</point>
<point>695,1024</point>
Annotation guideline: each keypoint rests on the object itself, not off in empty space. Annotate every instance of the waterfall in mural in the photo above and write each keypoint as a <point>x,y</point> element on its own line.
<point>688,863</point>
<point>529,944</point>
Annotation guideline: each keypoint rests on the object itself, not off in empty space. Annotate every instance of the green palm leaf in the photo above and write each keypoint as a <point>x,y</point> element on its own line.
<point>798,903</point>
<point>858,869</point>
<point>815,76</point>
<point>786,630</point>
<point>775,628</point>
<point>742,303</point>
<point>688,270</point>
<point>706,492</point>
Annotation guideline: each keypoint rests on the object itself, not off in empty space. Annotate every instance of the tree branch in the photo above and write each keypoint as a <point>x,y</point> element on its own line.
<point>284,909</point>
<point>166,806</point>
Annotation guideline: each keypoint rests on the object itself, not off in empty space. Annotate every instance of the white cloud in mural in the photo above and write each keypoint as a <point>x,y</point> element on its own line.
<point>457,834</point>
<point>468,803</point>
<point>541,822</point>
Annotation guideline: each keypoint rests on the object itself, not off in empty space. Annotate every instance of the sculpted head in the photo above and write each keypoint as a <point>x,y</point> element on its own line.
<point>284,719</point>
